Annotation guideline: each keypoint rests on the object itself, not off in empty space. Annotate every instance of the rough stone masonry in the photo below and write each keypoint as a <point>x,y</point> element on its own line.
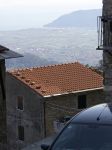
<point>107,56</point>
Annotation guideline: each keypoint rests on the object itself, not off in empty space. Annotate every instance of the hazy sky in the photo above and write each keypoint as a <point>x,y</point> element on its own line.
<point>77,4</point>
<point>43,10</point>
<point>61,5</point>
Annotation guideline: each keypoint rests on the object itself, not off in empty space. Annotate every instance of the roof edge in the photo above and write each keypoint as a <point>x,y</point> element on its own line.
<point>43,66</point>
<point>100,88</point>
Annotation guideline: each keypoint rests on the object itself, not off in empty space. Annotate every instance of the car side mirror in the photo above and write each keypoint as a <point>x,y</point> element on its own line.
<point>44,147</point>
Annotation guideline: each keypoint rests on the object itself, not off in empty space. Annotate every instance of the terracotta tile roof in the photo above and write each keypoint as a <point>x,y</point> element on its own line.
<point>59,79</point>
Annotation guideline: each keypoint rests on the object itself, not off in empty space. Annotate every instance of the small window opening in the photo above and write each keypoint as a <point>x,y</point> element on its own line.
<point>111,26</point>
<point>21,133</point>
<point>20,102</point>
<point>82,102</point>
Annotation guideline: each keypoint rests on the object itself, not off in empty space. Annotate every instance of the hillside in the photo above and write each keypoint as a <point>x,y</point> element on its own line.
<point>28,60</point>
<point>82,18</point>
<point>46,46</point>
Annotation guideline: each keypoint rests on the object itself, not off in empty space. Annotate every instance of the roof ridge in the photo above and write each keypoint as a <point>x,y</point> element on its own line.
<point>17,69</point>
<point>37,67</point>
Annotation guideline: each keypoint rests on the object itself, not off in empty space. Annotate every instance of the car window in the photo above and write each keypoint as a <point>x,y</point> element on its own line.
<point>84,137</point>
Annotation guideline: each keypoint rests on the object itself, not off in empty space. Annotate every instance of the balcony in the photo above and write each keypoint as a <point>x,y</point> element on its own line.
<point>104,29</point>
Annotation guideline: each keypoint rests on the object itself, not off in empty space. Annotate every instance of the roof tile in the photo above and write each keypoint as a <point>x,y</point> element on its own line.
<point>59,79</point>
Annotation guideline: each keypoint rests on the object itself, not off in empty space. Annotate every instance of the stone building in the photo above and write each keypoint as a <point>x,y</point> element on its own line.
<point>5,53</point>
<point>39,100</point>
<point>105,44</point>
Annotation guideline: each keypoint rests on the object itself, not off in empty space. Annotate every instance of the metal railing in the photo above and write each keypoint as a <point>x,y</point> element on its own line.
<point>104,29</point>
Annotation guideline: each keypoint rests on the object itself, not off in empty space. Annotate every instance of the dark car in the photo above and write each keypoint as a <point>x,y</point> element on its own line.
<point>91,129</point>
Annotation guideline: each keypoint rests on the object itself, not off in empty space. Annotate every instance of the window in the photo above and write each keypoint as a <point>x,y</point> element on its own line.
<point>111,26</point>
<point>82,101</point>
<point>20,102</point>
<point>84,137</point>
<point>21,133</point>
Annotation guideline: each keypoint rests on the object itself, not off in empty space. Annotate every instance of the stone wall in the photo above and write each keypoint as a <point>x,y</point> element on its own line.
<point>107,57</point>
<point>39,113</point>
<point>3,127</point>
<point>31,117</point>
<point>107,7</point>
<point>66,105</point>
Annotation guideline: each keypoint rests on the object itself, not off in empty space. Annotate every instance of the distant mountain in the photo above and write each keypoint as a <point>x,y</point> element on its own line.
<point>82,18</point>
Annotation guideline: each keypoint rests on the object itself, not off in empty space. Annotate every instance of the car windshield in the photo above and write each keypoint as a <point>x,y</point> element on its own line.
<point>84,137</point>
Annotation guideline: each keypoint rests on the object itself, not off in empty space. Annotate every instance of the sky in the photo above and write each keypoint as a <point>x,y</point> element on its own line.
<point>39,12</point>
<point>64,4</point>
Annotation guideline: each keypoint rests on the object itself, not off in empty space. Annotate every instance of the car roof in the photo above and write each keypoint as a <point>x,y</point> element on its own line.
<point>99,114</point>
